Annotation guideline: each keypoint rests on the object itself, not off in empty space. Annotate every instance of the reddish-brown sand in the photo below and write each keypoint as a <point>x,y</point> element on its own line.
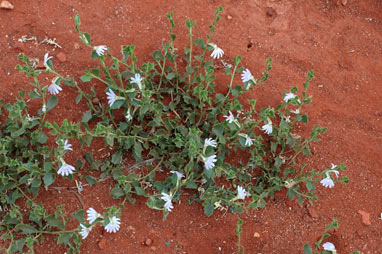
<point>340,40</point>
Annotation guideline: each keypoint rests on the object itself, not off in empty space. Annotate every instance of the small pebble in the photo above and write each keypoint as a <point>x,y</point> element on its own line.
<point>256,235</point>
<point>61,57</point>
<point>365,217</point>
<point>148,242</point>
<point>6,5</point>
<point>76,45</point>
<point>229,17</point>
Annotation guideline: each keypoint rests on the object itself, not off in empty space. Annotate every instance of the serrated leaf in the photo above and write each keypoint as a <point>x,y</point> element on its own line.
<point>54,221</point>
<point>65,238</point>
<point>139,190</point>
<point>117,192</point>
<point>79,215</point>
<point>208,209</point>
<point>87,116</point>
<point>91,180</point>
<point>52,102</point>
<point>48,179</point>
<point>117,157</point>
<point>25,228</point>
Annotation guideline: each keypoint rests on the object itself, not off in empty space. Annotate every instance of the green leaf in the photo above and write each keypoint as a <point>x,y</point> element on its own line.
<point>52,102</point>
<point>54,221</point>
<point>86,78</point>
<point>25,228</point>
<point>77,20</point>
<point>87,116</point>
<point>42,138</point>
<point>189,70</point>
<point>117,157</point>
<point>139,190</point>
<point>307,249</point>
<point>65,238</point>
<point>137,151</point>
<point>208,209</point>
<point>78,98</point>
<point>33,94</point>
<point>17,246</point>
<point>79,215</point>
<point>117,192</point>
<point>91,180</point>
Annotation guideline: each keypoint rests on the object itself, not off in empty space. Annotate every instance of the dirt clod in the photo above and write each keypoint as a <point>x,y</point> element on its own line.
<point>40,65</point>
<point>6,5</point>
<point>102,243</point>
<point>61,57</point>
<point>76,45</point>
<point>313,213</point>
<point>365,217</point>
<point>95,100</point>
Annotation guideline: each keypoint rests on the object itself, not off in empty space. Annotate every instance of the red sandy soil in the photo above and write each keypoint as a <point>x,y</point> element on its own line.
<point>341,41</point>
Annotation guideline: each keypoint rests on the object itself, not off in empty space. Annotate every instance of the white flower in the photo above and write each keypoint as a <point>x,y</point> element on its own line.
<point>247,76</point>
<point>333,166</point>
<point>43,109</point>
<point>114,225</point>
<point>65,169</point>
<point>335,172</point>
<point>180,175</point>
<point>297,111</point>
<point>209,162</point>
<point>329,247</point>
<point>92,215</point>
<point>137,79</point>
<point>230,118</point>
<point>167,198</point>
<point>267,128</point>
<point>241,192</point>
<point>46,59</point>
<point>66,145</point>
<point>128,116</point>
<point>248,141</point>
<point>217,53</point>
<point>85,231</point>
<point>111,97</point>
<point>100,50</point>
<point>54,88</point>
<point>210,142</point>
<point>327,182</point>
<point>289,96</point>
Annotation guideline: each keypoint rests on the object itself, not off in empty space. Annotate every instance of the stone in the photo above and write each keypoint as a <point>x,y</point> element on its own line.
<point>6,5</point>
<point>365,217</point>
<point>256,235</point>
<point>61,57</point>
<point>229,17</point>
<point>102,243</point>
<point>148,242</point>
<point>76,45</point>
<point>313,213</point>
